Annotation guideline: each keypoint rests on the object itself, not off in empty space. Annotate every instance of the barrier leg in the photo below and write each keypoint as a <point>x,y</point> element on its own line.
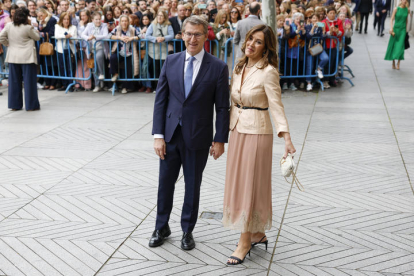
<point>69,87</point>
<point>114,88</point>
<point>349,70</point>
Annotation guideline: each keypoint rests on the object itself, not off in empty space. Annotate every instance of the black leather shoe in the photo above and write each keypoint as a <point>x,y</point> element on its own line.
<point>62,89</point>
<point>187,242</point>
<point>158,236</point>
<point>1,93</point>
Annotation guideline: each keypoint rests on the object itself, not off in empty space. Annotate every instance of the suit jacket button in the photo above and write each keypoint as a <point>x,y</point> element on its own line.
<point>184,104</point>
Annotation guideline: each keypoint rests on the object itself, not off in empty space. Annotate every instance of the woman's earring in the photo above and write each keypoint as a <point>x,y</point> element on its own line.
<point>264,53</point>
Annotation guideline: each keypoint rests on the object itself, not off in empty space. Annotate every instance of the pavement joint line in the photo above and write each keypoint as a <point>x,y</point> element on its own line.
<point>291,187</point>
<point>121,244</point>
<point>129,236</point>
<point>73,172</point>
<point>389,118</point>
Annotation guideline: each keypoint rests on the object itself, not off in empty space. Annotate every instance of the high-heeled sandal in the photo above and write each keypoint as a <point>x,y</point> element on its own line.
<point>261,242</point>
<point>238,260</point>
<point>393,65</point>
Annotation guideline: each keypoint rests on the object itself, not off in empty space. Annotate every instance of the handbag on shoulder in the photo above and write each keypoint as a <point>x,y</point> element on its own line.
<point>46,48</point>
<point>315,49</point>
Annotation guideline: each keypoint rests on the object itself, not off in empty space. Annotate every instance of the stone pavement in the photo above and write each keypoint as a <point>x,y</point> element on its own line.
<point>78,185</point>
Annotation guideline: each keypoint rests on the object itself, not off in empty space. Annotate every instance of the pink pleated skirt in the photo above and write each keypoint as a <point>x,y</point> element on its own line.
<point>248,188</point>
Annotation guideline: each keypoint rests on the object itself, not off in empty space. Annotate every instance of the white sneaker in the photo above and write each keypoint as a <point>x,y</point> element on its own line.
<point>101,77</point>
<point>114,78</point>
<point>124,91</point>
<point>96,89</point>
<point>293,87</point>
<point>285,87</point>
<point>320,73</point>
<point>326,85</point>
<point>309,87</point>
<point>39,86</point>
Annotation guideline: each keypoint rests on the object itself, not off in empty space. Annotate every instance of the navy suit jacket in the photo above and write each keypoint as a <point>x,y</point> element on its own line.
<point>210,90</point>
<point>379,5</point>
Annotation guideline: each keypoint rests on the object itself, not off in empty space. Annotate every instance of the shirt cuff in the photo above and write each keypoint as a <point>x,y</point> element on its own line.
<point>156,136</point>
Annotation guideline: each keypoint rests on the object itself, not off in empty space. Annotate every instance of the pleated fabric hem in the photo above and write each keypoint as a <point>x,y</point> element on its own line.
<point>253,224</point>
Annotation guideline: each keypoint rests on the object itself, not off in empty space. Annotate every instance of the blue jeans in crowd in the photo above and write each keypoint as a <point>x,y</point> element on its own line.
<point>310,63</point>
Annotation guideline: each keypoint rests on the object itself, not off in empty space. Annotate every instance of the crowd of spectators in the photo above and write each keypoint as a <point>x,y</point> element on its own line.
<point>161,21</point>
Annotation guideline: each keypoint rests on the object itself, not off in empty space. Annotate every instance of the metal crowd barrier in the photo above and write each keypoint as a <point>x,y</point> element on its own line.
<point>150,56</point>
<point>343,66</point>
<point>302,59</point>
<point>74,50</point>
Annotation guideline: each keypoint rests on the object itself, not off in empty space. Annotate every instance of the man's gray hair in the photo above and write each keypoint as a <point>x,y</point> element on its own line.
<point>196,20</point>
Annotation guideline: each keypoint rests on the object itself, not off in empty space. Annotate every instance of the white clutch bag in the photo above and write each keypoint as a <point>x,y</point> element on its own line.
<point>287,167</point>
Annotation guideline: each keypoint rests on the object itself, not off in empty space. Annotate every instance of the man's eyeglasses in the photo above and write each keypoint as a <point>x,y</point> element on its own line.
<point>190,35</point>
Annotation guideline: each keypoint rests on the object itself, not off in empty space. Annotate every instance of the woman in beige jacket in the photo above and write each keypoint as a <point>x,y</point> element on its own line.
<point>20,37</point>
<point>255,90</point>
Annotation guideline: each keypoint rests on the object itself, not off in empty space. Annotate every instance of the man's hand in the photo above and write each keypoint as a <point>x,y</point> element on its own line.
<point>178,36</point>
<point>384,11</point>
<point>160,147</point>
<point>216,150</point>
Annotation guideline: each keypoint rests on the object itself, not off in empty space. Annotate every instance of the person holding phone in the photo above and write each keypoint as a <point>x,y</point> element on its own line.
<point>315,33</point>
<point>296,41</point>
<point>333,27</point>
<point>222,31</point>
<point>283,33</point>
<point>64,30</point>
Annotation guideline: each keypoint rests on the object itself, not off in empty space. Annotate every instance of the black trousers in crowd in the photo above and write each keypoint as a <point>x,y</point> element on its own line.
<point>65,67</point>
<point>381,22</point>
<point>365,16</point>
<point>127,67</point>
<point>154,67</point>
<point>26,73</point>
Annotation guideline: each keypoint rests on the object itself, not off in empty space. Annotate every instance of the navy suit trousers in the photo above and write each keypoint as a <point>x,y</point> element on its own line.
<point>26,73</point>
<point>193,162</point>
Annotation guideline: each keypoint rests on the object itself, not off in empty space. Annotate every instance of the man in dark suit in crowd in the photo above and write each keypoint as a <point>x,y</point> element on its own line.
<point>364,9</point>
<point>381,9</point>
<point>243,26</point>
<point>177,23</point>
<point>191,86</point>
<point>143,9</point>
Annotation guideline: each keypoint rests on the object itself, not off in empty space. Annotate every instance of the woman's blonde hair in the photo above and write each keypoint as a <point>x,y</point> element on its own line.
<point>47,14</point>
<point>219,16</point>
<point>165,14</point>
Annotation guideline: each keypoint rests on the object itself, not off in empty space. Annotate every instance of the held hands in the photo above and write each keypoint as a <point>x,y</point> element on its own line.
<point>216,150</point>
<point>68,36</point>
<point>178,36</point>
<point>160,147</point>
<point>91,37</point>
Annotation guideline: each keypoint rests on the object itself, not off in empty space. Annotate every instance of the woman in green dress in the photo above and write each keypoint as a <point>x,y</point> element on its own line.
<point>396,45</point>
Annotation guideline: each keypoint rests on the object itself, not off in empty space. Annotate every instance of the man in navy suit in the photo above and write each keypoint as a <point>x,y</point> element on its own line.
<point>191,86</point>
<point>381,9</point>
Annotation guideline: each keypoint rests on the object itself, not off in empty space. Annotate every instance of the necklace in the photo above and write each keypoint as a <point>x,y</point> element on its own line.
<point>251,66</point>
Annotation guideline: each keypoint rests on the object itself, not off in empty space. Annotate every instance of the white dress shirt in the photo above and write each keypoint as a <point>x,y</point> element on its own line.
<point>196,69</point>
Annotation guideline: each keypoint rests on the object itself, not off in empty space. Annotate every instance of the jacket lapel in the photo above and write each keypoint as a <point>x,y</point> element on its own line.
<point>201,73</point>
<point>180,74</point>
<point>253,70</point>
